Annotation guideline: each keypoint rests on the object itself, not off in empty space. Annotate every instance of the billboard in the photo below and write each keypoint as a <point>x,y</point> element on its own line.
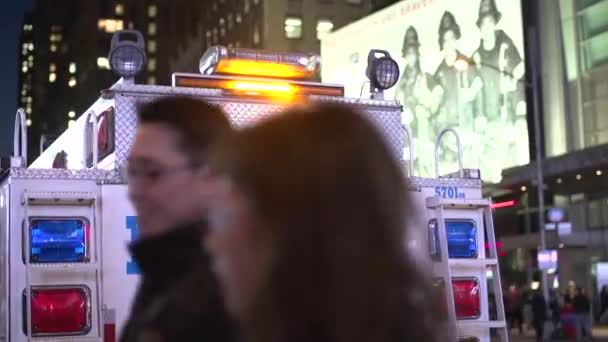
<point>462,66</point>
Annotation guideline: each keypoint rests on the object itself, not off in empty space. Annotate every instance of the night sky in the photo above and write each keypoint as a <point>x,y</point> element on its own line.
<point>11,18</point>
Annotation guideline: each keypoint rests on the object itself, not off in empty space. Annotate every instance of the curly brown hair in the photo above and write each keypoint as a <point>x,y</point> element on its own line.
<point>327,187</point>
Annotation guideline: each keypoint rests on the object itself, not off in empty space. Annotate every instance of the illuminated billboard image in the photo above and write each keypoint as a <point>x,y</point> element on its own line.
<point>461,65</point>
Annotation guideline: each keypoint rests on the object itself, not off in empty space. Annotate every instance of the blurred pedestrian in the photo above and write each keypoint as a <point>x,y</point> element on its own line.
<point>582,314</point>
<point>604,302</point>
<point>539,312</point>
<point>178,298</point>
<point>308,238</point>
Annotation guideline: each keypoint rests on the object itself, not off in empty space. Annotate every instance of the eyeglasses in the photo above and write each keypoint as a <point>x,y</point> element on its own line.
<point>154,174</point>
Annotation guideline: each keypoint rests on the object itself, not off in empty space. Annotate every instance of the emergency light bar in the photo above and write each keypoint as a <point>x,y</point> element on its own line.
<point>249,62</point>
<point>256,86</point>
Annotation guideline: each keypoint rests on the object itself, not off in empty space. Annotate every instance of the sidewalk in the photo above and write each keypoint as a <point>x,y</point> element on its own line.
<point>599,334</point>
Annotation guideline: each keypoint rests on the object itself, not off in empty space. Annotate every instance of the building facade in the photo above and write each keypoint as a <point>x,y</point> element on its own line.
<point>279,25</point>
<point>572,36</point>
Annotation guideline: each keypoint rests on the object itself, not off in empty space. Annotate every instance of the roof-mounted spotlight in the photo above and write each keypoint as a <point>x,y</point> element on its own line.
<point>127,55</point>
<point>382,72</point>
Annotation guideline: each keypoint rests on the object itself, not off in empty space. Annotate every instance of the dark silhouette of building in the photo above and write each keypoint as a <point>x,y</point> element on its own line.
<point>65,44</point>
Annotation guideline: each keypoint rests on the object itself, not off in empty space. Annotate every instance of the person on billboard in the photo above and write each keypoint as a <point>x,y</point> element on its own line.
<point>501,68</point>
<point>461,86</point>
<point>500,65</point>
<point>419,92</point>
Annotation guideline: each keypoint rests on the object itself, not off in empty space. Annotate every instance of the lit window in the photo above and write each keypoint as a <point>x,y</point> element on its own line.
<point>152,46</point>
<point>246,6</point>
<point>72,68</point>
<point>30,64</point>
<point>71,123</point>
<point>31,46</point>
<point>151,29</point>
<point>23,92</point>
<point>72,83</point>
<point>28,122</point>
<point>151,80</point>
<point>30,58</point>
<point>110,25</point>
<point>103,63</point>
<point>52,67</point>
<point>52,77</point>
<point>24,69</point>
<point>29,99</point>
<point>238,18</point>
<point>323,28</point>
<point>293,28</point>
<point>55,37</point>
<point>230,21</point>
<point>152,64</point>
<point>131,25</point>
<point>222,32</point>
<point>119,9</point>
<point>53,47</point>
<point>222,21</point>
<point>256,35</point>
<point>152,10</point>
<point>71,114</point>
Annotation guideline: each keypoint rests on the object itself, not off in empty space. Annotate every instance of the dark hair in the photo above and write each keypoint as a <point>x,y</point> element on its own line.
<point>328,189</point>
<point>448,23</point>
<point>197,123</point>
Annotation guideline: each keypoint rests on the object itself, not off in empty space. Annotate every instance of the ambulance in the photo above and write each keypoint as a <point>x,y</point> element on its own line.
<point>65,219</point>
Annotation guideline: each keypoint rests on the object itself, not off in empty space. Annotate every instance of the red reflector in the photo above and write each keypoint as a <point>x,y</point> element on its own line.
<point>60,311</point>
<point>466,298</point>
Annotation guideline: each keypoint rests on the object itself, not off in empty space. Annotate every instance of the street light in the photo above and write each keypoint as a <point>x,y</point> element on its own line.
<point>462,64</point>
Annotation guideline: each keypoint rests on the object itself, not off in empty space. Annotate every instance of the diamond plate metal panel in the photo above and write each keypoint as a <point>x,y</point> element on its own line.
<point>88,174</point>
<point>242,112</point>
<point>417,182</point>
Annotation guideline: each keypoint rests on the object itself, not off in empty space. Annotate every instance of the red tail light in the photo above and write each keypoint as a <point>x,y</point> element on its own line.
<point>466,298</point>
<point>60,311</point>
<point>102,136</point>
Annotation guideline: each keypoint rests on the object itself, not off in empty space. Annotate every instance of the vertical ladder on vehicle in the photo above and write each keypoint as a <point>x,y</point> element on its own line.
<point>32,201</point>
<point>441,206</point>
<point>481,209</point>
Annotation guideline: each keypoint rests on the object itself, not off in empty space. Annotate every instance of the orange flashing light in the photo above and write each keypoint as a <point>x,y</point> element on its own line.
<point>257,87</point>
<point>263,69</point>
<point>262,87</point>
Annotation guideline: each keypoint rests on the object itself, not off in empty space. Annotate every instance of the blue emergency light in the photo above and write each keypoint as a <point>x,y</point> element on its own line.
<point>58,240</point>
<point>462,238</point>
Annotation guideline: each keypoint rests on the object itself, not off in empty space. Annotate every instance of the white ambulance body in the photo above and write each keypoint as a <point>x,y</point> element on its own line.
<point>65,273</point>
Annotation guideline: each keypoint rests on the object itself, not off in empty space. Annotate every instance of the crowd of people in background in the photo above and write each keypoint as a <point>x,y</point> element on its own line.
<point>566,315</point>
